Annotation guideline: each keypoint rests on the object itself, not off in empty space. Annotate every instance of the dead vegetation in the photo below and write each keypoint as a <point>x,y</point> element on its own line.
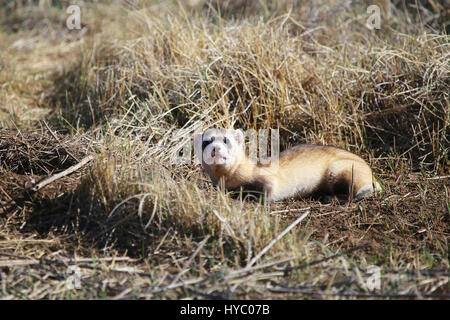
<point>138,80</point>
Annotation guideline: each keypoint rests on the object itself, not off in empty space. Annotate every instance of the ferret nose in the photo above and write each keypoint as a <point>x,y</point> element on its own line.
<point>213,153</point>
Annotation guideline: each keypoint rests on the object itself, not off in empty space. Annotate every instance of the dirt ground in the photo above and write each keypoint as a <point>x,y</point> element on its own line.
<point>384,228</point>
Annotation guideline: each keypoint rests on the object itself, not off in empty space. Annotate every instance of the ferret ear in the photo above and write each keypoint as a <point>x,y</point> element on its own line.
<point>239,135</point>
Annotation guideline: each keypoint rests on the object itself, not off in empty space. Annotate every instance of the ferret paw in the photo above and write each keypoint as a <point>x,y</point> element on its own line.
<point>366,192</point>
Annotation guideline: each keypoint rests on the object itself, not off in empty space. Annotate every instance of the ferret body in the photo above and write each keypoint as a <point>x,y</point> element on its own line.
<point>300,171</point>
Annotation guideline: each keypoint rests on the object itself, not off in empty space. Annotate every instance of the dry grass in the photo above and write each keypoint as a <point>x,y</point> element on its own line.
<point>140,79</point>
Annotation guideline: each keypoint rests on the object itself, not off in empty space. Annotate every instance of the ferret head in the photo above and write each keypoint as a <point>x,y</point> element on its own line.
<point>221,148</point>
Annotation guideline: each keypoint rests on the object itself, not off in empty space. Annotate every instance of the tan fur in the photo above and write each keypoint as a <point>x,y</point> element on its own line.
<point>300,171</point>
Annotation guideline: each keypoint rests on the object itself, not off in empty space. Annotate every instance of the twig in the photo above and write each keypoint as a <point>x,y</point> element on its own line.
<point>445,272</point>
<point>348,294</point>
<point>51,131</point>
<point>57,140</point>
<point>270,245</point>
<point>207,295</point>
<point>17,263</point>
<point>263,251</point>
<point>237,273</point>
<point>304,265</point>
<point>187,264</point>
<point>290,210</point>
<point>438,178</point>
<point>27,262</point>
<point>64,173</point>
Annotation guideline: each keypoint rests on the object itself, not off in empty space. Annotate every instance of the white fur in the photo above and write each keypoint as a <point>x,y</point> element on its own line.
<point>367,191</point>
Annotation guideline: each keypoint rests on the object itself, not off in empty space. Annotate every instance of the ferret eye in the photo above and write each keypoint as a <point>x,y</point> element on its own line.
<point>225,140</point>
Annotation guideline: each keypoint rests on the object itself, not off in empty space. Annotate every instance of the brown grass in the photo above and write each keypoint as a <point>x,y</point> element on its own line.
<point>139,226</point>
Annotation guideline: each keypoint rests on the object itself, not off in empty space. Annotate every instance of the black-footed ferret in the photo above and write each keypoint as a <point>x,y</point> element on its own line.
<point>300,171</point>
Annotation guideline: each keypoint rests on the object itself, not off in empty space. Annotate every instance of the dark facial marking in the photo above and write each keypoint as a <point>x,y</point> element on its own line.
<point>205,144</point>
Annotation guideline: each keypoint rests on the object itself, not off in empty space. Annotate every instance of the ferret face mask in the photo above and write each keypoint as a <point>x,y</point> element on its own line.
<point>220,146</point>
